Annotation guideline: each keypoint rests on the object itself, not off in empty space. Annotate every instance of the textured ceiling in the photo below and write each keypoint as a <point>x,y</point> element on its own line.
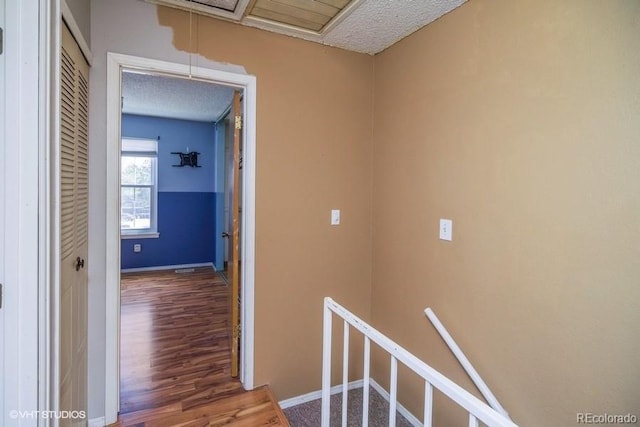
<point>377,24</point>
<point>367,26</point>
<point>171,97</point>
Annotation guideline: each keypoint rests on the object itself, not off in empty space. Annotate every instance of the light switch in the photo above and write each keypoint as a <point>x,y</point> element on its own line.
<point>335,216</point>
<point>446,229</point>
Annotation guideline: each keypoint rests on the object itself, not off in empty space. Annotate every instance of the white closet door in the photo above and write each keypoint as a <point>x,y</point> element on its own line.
<point>74,72</point>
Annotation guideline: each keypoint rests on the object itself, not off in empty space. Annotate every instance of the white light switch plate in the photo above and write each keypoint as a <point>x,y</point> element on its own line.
<point>335,217</point>
<point>446,229</point>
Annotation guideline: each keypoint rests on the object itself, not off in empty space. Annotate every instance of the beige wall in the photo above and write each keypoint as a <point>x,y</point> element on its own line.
<point>518,120</point>
<point>521,122</point>
<point>314,153</point>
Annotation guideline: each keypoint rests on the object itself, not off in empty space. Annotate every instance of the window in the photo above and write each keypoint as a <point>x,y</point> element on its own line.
<point>138,188</point>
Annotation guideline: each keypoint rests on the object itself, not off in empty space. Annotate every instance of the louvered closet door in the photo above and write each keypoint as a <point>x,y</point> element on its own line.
<point>74,109</point>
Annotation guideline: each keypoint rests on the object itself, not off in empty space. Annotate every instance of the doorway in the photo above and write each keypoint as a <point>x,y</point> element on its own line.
<point>172,172</point>
<point>247,85</point>
<point>171,185</point>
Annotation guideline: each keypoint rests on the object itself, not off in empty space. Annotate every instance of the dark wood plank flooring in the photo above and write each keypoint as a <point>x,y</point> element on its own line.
<point>175,355</point>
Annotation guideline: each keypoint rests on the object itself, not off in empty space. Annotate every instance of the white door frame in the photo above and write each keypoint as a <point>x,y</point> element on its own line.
<point>115,64</point>
<point>25,254</point>
<point>3,180</point>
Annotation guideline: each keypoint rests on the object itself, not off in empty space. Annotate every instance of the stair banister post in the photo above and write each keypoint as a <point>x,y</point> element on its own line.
<point>326,363</point>
<point>466,365</point>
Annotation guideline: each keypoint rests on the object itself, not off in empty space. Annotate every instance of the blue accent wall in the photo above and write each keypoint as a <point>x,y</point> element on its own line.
<point>187,198</point>
<point>179,136</point>
<point>186,223</point>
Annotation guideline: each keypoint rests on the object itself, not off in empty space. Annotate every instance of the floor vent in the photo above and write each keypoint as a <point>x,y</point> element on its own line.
<point>185,270</point>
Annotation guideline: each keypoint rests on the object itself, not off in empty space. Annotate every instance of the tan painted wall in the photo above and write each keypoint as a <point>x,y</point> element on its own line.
<point>518,120</point>
<point>521,122</point>
<point>314,153</point>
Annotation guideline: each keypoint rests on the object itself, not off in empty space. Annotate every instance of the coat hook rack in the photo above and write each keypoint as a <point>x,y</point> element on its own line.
<point>187,159</point>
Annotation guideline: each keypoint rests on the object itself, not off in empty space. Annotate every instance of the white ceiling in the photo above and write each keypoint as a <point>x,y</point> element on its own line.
<point>173,97</point>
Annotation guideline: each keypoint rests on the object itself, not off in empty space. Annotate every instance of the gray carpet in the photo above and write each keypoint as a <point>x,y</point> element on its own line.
<point>308,414</point>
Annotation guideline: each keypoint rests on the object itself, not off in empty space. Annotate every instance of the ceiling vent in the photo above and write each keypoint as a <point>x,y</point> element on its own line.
<point>309,17</point>
<point>232,10</point>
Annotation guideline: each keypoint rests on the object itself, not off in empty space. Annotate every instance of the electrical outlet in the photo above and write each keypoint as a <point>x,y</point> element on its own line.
<point>137,248</point>
<point>335,217</point>
<point>446,229</point>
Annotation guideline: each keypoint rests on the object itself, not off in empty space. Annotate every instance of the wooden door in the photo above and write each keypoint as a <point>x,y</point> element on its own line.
<point>234,250</point>
<point>73,205</point>
<point>228,192</point>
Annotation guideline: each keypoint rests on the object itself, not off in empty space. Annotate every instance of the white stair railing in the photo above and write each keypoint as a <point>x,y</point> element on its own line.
<point>478,410</point>
<point>466,365</point>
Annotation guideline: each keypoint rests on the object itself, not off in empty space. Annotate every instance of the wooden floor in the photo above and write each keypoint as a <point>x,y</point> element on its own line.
<point>255,408</point>
<point>175,355</point>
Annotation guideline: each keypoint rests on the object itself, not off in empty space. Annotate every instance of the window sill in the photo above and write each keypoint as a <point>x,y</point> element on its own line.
<point>145,235</point>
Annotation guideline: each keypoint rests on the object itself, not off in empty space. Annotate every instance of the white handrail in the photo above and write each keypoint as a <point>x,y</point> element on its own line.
<point>477,409</point>
<point>466,365</point>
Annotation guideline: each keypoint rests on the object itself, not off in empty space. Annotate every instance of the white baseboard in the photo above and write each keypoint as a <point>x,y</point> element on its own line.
<point>299,400</point>
<point>167,267</point>
<point>305,398</point>
<point>96,422</point>
<point>400,408</point>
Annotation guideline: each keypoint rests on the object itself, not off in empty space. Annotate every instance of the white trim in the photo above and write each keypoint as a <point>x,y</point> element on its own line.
<point>53,213</point>
<point>248,235</point>
<point>315,395</point>
<point>282,28</point>
<point>67,15</point>
<point>167,267</point>
<point>3,181</point>
<point>26,39</point>
<point>399,407</point>
<point>145,235</point>
<point>115,64</point>
<point>112,267</point>
<point>96,422</point>
<point>50,33</point>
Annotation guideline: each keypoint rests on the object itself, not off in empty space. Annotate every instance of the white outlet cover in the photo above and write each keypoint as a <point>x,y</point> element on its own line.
<point>335,216</point>
<point>446,229</point>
